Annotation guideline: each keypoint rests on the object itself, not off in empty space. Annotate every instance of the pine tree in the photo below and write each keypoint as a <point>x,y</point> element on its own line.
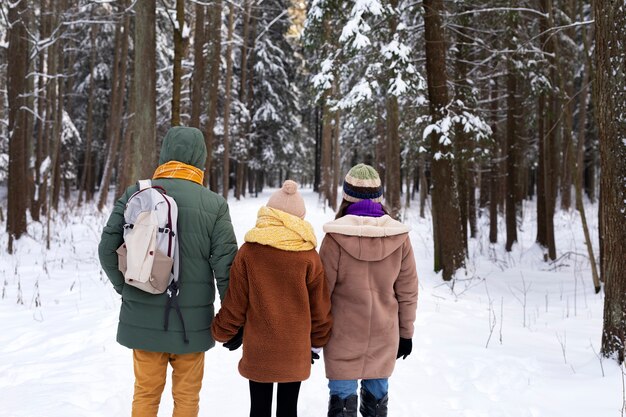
<point>276,126</point>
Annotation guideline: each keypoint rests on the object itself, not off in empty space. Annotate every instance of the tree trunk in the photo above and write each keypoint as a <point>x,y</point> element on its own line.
<point>317,176</point>
<point>246,50</point>
<point>17,69</point>
<point>392,157</point>
<point>335,160</point>
<point>51,99</point>
<point>449,254</point>
<point>87,159</point>
<point>327,151</point>
<point>124,179</point>
<point>610,106</point>
<point>215,42</point>
<point>548,147</point>
<point>423,185</point>
<point>227,101</point>
<point>580,151</point>
<point>144,123</point>
<point>57,129</point>
<point>568,150</point>
<point>552,177</point>
<point>494,168</point>
<point>567,105</point>
<point>511,158</point>
<point>118,90</point>
<point>41,125</point>
<point>542,230</point>
<point>179,52</point>
<point>392,160</point>
<point>198,67</point>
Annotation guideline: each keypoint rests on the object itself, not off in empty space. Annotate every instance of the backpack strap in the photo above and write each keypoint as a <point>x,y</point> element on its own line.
<point>143,184</point>
<point>172,301</point>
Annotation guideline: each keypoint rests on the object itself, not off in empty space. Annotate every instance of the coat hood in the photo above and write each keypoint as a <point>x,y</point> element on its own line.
<point>184,144</point>
<point>368,238</point>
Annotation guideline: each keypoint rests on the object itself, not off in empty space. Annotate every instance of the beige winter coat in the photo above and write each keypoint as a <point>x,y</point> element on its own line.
<point>372,279</point>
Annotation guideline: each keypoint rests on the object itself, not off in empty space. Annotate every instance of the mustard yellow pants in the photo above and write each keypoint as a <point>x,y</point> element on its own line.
<point>150,373</point>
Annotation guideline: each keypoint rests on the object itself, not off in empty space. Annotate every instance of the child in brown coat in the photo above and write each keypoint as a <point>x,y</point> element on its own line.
<point>277,304</point>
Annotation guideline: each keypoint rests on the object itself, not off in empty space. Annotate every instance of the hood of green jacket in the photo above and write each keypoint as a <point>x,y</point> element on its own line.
<point>184,144</point>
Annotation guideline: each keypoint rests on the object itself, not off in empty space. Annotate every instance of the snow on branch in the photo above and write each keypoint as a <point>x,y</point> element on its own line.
<point>323,80</point>
<point>500,9</point>
<point>356,27</point>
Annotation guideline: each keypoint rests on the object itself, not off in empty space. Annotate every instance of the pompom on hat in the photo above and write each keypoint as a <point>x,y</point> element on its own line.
<point>362,183</point>
<point>288,199</point>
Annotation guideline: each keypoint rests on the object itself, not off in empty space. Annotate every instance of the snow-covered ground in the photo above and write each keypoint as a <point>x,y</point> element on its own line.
<point>514,337</point>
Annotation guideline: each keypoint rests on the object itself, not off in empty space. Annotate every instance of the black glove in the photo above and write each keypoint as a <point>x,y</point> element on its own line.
<point>404,348</point>
<point>236,341</point>
<point>314,356</point>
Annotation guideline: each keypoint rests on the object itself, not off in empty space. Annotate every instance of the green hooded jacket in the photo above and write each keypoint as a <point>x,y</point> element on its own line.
<point>207,246</point>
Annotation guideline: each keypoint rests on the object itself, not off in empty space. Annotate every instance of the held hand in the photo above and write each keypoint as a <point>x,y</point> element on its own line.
<point>315,354</point>
<point>404,348</point>
<point>236,341</point>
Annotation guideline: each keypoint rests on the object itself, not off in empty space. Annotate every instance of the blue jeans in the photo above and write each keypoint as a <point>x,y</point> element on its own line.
<point>345,388</point>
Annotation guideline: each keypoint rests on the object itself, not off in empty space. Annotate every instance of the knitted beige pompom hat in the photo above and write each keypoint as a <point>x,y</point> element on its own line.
<point>288,199</point>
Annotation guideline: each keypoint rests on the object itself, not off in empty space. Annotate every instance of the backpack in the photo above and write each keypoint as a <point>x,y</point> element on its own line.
<point>149,258</point>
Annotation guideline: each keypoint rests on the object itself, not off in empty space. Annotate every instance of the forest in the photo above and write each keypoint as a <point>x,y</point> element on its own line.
<point>466,108</point>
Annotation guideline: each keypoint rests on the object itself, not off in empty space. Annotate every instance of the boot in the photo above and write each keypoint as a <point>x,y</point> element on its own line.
<point>342,408</point>
<point>370,407</point>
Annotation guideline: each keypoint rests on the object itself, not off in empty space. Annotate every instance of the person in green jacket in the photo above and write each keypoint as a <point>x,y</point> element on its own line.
<point>207,246</point>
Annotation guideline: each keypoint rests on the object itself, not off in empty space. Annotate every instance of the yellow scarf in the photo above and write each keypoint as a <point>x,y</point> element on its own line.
<point>282,230</point>
<point>175,169</point>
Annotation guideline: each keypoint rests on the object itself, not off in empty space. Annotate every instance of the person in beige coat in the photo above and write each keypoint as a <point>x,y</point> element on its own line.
<point>372,278</point>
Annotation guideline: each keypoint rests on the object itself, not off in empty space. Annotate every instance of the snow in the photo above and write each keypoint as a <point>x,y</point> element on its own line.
<point>58,355</point>
<point>45,165</point>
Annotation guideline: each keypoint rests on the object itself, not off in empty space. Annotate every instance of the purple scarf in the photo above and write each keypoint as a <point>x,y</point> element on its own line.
<point>366,208</point>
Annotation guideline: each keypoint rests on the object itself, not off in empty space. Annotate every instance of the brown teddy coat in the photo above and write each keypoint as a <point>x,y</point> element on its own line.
<point>281,299</point>
<point>372,279</point>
